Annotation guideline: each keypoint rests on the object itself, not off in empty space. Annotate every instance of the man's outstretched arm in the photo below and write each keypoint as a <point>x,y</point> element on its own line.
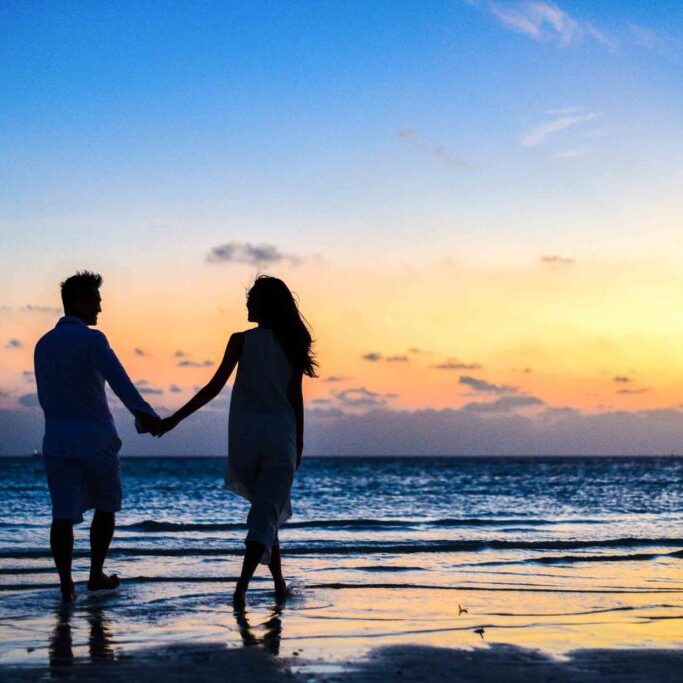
<point>109,366</point>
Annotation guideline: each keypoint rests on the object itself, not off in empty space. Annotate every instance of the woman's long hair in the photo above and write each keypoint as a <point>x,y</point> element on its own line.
<point>272,305</point>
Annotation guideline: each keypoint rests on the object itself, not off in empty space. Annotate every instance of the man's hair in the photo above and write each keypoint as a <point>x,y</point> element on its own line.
<point>74,287</point>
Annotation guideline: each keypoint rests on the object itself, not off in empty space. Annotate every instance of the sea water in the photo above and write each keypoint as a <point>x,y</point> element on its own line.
<point>484,524</point>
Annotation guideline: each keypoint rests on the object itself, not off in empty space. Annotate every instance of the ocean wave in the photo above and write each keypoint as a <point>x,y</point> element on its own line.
<point>633,557</point>
<point>572,559</point>
<point>11,571</point>
<point>393,549</point>
<point>153,526</point>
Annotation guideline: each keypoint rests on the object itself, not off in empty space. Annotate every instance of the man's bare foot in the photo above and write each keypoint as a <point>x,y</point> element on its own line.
<point>280,589</point>
<point>68,591</point>
<point>103,582</point>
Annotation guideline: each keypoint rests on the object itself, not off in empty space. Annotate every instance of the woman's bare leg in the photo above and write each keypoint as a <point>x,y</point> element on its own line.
<point>252,556</point>
<point>275,567</point>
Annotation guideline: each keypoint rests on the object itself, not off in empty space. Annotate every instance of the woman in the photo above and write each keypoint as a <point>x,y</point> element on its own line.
<point>266,424</point>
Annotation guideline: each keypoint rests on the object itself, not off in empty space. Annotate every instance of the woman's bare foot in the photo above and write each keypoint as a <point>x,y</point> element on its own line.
<point>239,597</point>
<point>102,582</point>
<point>68,591</point>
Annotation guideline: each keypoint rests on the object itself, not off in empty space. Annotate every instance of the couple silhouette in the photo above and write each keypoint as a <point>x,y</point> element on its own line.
<point>73,362</point>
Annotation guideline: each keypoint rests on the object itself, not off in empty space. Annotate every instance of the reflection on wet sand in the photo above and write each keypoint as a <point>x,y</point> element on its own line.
<point>61,642</point>
<point>272,631</point>
<point>100,641</point>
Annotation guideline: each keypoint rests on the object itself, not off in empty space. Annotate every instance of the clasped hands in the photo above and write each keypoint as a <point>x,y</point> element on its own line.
<point>156,426</point>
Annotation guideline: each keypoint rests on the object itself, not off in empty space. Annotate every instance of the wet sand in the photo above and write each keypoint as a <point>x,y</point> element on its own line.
<point>507,663</point>
<point>177,632</point>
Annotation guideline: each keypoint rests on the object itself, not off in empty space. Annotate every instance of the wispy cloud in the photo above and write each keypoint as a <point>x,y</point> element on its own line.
<point>195,364</point>
<point>555,260</point>
<point>452,364</point>
<point>376,356</point>
<point>139,352</point>
<point>257,255</point>
<point>336,378</point>
<point>504,404</point>
<point>144,387</point>
<point>439,152</point>
<point>361,397</point>
<point>175,389</point>
<point>623,379</point>
<point>14,343</point>
<point>632,391</point>
<point>559,122</point>
<point>544,22</point>
<point>486,387</point>
<point>373,356</point>
<point>39,308</point>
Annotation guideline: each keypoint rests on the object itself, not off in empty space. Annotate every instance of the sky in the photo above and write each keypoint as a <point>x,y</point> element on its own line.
<point>477,204</point>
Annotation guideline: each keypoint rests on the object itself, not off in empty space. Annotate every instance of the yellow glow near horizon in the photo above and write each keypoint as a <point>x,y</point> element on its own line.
<point>559,333</point>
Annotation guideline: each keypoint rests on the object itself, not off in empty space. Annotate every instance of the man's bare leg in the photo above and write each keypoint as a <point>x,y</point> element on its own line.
<point>101,533</point>
<point>62,546</point>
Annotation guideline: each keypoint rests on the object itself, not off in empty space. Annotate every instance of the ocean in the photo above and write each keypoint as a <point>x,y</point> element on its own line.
<point>604,531</point>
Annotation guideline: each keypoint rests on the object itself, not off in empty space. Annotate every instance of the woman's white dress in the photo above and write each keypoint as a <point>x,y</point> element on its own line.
<point>262,436</point>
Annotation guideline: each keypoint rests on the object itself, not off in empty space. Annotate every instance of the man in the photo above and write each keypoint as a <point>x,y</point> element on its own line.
<point>80,446</point>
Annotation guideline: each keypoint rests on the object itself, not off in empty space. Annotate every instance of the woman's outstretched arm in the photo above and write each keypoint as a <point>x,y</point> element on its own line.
<point>233,351</point>
<point>296,398</point>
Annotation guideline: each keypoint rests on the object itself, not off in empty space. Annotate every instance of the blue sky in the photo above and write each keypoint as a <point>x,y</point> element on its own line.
<point>131,112</point>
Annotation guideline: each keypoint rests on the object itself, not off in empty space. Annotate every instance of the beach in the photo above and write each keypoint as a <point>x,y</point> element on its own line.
<point>367,634</point>
<point>566,585</point>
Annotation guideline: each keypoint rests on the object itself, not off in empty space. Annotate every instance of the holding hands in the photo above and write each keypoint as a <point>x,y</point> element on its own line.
<point>154,425</point>
<point>167,424</point>
<point>146,423</point>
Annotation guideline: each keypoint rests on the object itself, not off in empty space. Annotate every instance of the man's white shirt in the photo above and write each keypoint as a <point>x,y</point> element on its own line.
<point>72,364</point>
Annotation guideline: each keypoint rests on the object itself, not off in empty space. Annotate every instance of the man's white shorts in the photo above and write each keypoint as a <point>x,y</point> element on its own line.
<point>78,484</point>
